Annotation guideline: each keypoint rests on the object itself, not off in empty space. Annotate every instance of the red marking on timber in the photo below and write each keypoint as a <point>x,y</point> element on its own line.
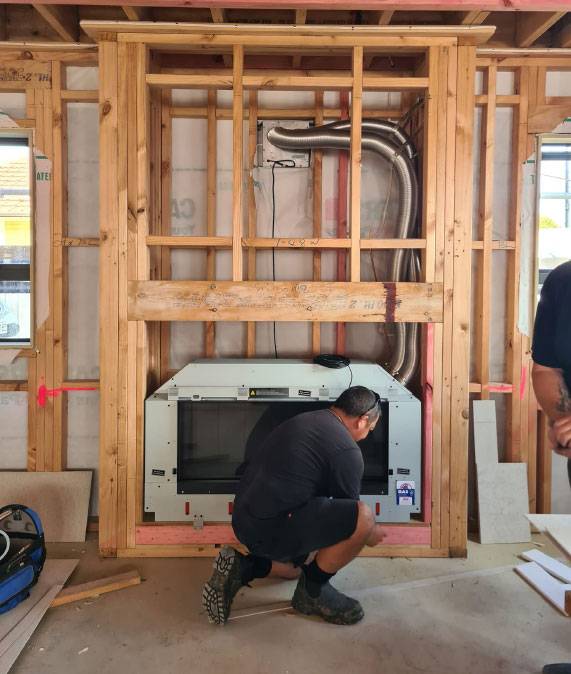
<point>391,301</point>
<point>220,534</point>
<point>523,382</point>
<point>500,388</point>
<point>45,393</point>
<point>427,396</point>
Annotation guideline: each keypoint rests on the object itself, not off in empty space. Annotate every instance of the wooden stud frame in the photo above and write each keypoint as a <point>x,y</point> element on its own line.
<point>446,82</point>
<point>46,114</point>
<point>525,431</point>
<point>128,240</point>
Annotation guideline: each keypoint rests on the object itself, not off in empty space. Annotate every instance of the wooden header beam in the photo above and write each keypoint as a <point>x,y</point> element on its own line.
<point>251,35</point>
<point>285,301</point>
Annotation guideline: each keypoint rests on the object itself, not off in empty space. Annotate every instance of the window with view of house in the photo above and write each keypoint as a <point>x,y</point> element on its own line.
<point>554,238</point>
<point>16,209</point>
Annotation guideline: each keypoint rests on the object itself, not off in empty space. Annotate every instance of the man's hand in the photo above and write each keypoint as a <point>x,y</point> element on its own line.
<point>377,536</point>
<point>560,434</point>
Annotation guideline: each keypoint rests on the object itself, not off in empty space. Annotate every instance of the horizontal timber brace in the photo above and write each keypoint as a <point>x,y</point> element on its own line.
<point>285,301</point>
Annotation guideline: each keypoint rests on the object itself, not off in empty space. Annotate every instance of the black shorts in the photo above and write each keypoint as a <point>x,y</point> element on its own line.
<point>291,537</point>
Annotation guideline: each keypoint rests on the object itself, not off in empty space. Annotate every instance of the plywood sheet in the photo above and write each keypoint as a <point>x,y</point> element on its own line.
<point>60,499</point>
<point>485,431</point>
<point>503,503</point>
<point>17,626</point>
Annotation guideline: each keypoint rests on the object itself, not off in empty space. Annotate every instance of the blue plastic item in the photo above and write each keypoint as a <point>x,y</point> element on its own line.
<point>22,554</point>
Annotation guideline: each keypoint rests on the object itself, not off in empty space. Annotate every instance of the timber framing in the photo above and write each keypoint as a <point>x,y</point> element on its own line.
<point>444,79</point>
<point>135,124</point>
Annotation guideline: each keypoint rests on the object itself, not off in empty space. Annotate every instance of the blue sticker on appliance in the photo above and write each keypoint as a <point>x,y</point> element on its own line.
<point>405,491</point>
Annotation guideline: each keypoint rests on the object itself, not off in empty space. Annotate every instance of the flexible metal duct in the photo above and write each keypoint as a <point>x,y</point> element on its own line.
<point>404,356</point>
<point>381,127</point>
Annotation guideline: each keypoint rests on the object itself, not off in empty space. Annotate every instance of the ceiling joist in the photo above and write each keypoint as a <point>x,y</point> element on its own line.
<point>565,36</point>
<point>530,26</point>
<point>474,18</point>
<point>300,19</point>
<point>137,13</point>
<point>63,20</point>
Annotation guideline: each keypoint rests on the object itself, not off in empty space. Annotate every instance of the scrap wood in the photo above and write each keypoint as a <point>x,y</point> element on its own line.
<point>97,587</point>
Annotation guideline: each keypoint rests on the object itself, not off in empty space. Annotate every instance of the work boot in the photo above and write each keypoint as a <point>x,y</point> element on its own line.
<point>219,592</point>
<point>330,604</point>
<point>559,668</point>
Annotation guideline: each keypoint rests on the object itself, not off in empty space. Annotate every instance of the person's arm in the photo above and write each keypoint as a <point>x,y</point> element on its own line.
<point>554,399</point>
<point>345,482</point>
<point>548,382</point>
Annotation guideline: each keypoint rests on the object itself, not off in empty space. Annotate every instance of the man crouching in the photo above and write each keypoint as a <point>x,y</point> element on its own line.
<point>299,494</point>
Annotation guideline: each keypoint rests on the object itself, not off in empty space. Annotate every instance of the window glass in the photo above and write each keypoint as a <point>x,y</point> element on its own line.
<point>15,239</point>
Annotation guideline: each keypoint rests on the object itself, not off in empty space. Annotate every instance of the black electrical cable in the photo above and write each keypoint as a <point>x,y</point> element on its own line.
<point>335,362</point>
<point>283,163</point>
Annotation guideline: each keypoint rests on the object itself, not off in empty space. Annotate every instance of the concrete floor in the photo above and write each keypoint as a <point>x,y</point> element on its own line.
<point>485,621</point>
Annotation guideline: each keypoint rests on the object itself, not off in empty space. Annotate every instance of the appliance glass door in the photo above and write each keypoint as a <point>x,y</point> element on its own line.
<point>215,435</point>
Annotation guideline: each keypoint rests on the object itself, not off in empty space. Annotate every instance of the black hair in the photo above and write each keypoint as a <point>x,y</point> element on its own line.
<point>358,401</point>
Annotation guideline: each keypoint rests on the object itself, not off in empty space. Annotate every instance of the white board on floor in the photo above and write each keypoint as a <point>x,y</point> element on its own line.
<point>18,625</point>
<point>485,431</point>
<point>548,586</point>
<point>60,499</point>
<point>553,566</point>
<point>503,503</point>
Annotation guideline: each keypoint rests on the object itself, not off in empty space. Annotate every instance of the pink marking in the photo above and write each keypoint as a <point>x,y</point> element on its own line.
<point>500,388</point>
<point>523,382</point>
<point>220,534</point>
<point>45,393</point>
<point>181,534</point>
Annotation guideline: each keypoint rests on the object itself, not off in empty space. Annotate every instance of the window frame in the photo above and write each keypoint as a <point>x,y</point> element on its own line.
<point>27,346</point>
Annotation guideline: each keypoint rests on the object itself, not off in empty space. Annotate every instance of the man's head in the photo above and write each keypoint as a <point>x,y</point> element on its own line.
<point>359,409</point>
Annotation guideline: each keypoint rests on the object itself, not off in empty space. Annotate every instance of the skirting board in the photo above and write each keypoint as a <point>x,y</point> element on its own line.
<point>558,594</point>
<point>60,499</point>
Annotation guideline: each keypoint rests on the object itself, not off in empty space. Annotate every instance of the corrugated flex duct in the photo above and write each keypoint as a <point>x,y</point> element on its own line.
<point>387,140</point>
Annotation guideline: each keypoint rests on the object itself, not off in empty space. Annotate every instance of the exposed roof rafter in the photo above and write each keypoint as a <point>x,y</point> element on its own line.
<point>300,19</point>
<point>565,36</point>
<point>63,20</point>
<point>137,13</point>
<point>474,18</point>
<point>530,26</point>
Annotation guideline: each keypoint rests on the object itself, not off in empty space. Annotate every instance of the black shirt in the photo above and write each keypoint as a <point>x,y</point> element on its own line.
<point>310,455</point>
<point>552,331</point>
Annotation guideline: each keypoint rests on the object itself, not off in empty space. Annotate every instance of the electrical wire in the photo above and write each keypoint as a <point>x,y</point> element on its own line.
<point>282,163</point>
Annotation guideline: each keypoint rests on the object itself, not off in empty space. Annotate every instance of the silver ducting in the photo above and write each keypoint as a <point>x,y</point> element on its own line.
<point>388,141</point>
